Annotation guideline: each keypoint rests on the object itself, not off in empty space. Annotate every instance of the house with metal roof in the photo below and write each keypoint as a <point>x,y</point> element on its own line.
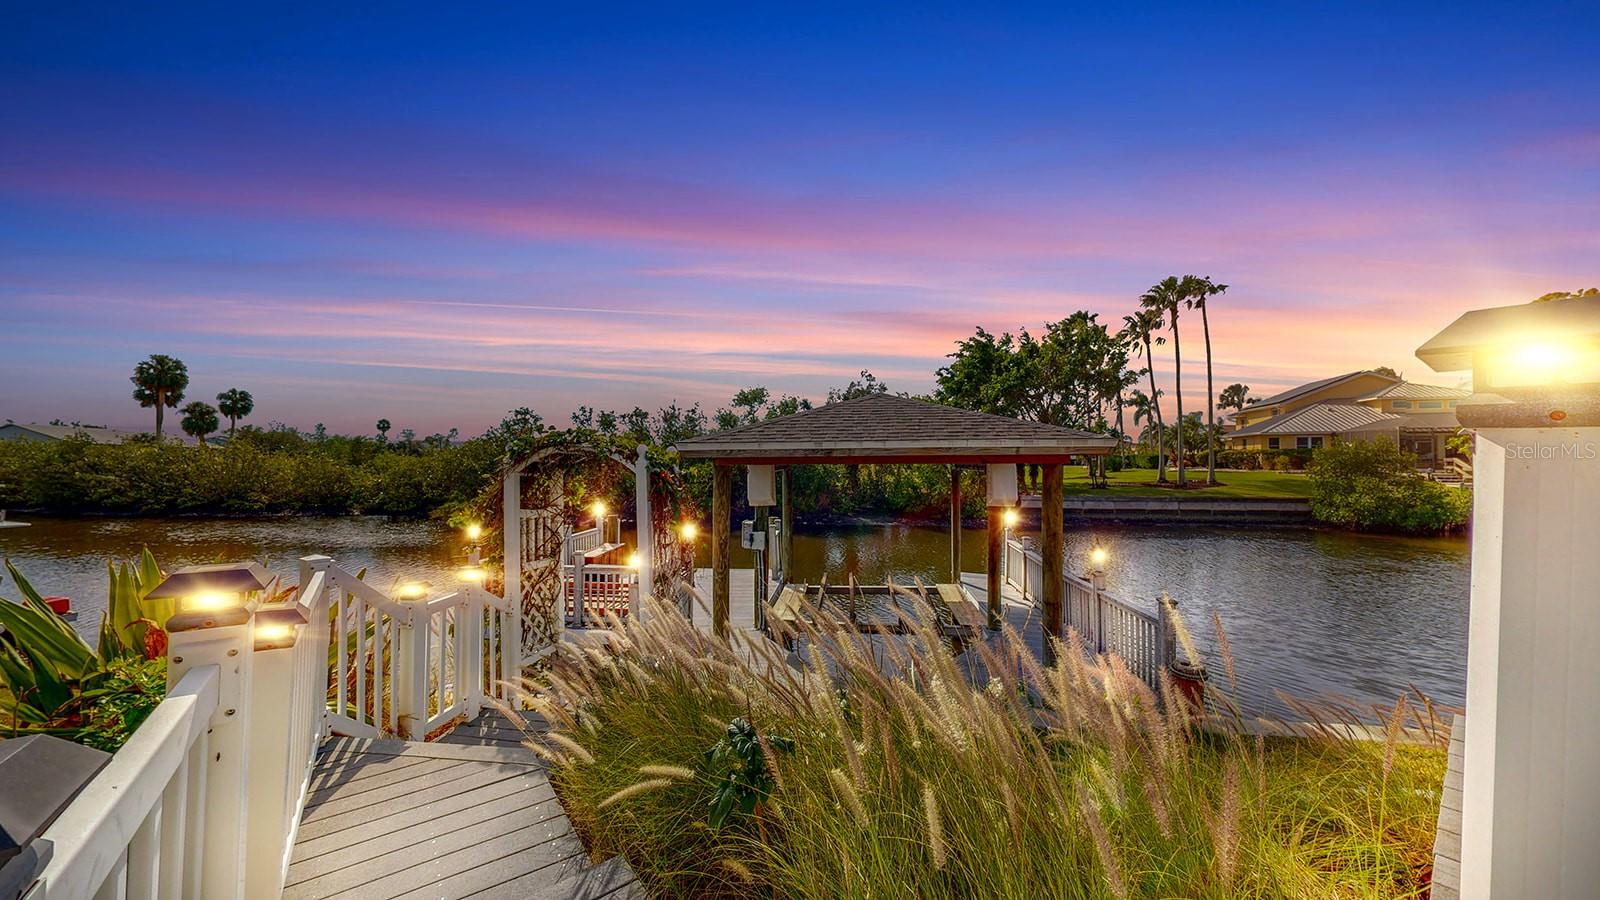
<point>14,431</point>
<point>1354,406</point>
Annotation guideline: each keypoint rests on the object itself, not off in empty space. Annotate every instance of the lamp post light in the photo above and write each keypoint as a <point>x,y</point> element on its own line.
<point>688,531</point>
<point>1531,776</point>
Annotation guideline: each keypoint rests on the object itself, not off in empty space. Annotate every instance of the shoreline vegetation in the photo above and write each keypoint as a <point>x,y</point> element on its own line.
<point>282,472</point>
<point>719,771</point>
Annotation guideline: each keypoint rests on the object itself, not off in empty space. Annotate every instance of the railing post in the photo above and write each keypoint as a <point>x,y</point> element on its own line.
<point>471,674</point>
<point>223,639</point>
<point>411,692</point>
<point>282,727</point>
<point>577,589</point>
<point>1168,635</point>
<point>1097,585</point>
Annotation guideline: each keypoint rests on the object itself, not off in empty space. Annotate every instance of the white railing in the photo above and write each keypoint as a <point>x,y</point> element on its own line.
<point>1105,623</point>
<point>409,667</point>
<point>597,589</point>
<point>205,798</point>
<point>139,828</point>
<point>578,543</point>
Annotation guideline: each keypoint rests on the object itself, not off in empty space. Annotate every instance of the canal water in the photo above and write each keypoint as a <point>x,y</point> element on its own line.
<point>1307,612</point>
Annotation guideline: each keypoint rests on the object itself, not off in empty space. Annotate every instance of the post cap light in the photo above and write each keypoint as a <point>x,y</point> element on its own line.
<point>599,509</point>
<point>474,532</point>
<point>688,531</point>
<point>1011,517</point>
<point>474,574</point>
<point>1533,364</point>
<point>276,627</point>
<point>211,596</point>
<point>412,590</point>
<point>1098,557</point>
<point>633,560</point>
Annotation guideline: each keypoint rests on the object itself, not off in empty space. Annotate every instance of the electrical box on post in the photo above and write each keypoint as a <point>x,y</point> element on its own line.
<point>750,538</point>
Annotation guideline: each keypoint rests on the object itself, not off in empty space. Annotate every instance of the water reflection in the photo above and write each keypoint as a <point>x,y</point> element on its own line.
<point>1308,612</point>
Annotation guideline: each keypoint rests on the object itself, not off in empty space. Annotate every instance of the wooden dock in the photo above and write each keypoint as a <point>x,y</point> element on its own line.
<point>470,815</point>
<point>1447,839</point>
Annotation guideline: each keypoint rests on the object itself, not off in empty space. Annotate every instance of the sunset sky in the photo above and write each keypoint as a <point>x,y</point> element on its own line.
<point>434,215</point>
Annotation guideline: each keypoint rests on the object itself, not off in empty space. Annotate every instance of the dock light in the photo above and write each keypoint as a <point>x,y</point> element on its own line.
<point>688,531</point>
<point>277,626</point>
<point>1530,353</point>
<point>1010,517</point>
<point>1098,557</point>
<point>473,574</point>
<point>633,560</point>
<point>599,509</point>
<point>209,596</point>
<point>474,532</point>
<point>411,590</point>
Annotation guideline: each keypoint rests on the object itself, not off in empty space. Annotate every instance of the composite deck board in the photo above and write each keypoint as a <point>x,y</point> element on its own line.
<point>471,814</point>
<point>1447,838</point>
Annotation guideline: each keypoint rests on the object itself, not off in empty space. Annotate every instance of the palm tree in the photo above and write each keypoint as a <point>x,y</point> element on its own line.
<point>1167,295</point>
<point>235,404</point>
<point>1144,325</point>
<point>160,382</point>
<point>1235,396</point>
<point>383,429</point>
<point>1198,291</point>
<point>1147,409</point>
<point>199,420</point>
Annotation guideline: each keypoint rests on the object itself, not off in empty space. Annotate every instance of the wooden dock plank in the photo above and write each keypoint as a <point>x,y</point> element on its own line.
<point>432,825</point>
<point>1447,837</point>
<point>488,794</point>
<point>472,814</point>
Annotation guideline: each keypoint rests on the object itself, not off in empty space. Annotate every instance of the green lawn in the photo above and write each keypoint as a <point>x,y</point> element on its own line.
<point>1244,485</point>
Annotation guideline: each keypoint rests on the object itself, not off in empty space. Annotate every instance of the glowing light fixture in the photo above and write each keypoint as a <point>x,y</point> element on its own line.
<point>1098,557</point>
<point>599,509</point>
<point>1524,351</point>
<point>633,560</point>
<point>474,574</point>
<point>1011,517</point>
<point>688,531</point>
<point>411,590</point>
<point>474,532</point>
<point>210,596</point>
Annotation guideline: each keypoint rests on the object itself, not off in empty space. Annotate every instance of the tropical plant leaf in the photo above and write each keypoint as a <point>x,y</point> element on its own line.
<point>34,628</point>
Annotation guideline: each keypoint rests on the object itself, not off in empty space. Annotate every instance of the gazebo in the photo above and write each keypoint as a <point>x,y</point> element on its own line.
<point>884,428</point>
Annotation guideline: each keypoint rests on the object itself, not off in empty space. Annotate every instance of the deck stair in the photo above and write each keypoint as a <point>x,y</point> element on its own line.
<point>471,814</point>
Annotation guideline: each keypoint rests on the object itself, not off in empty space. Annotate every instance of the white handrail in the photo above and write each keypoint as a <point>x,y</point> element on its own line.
<point>138,828</point>
<point>1106,624</point>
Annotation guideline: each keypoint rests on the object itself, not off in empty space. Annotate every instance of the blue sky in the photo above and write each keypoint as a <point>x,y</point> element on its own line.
<point>435,214</point>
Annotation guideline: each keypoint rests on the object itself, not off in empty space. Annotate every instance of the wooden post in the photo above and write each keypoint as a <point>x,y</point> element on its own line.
<point>759,570</point>
<point>996,535</point>
<point>721,519</point>
<point>955,525</point>
<point>787,513</point>
<point>1052,549</point>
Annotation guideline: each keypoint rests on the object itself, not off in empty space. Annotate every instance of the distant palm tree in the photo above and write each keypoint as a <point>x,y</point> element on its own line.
<point>383,429</point>
<point>1198,291</point>
<point>1147,409</point>
<point>199,420</point>
<point>1167,295</point>
<point>160,382</point>
<point>1235,396</point>
<point>235,404</point>
<point>1144,325</point>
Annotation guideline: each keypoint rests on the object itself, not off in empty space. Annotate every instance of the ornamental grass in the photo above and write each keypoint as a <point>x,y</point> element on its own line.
<point>1071,781</point>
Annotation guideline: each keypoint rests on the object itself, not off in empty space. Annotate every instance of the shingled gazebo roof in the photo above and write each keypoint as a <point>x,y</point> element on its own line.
<point>889,428</point>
